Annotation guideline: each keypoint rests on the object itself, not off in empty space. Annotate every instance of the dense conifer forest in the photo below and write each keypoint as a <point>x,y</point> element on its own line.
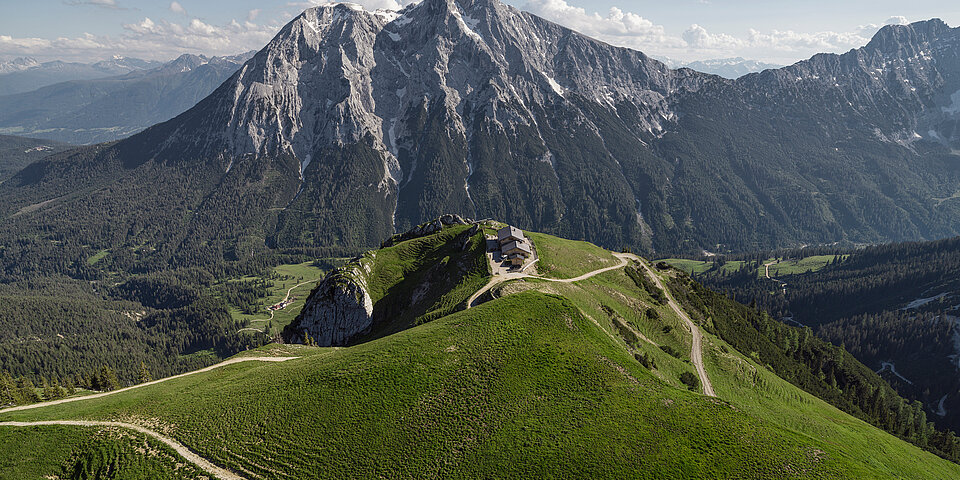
<point>815,365</point>
<point>893,305</point>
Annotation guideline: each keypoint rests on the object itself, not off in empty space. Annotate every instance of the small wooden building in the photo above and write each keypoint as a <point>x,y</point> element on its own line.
<point>509,234</point>
<point>517,251</point>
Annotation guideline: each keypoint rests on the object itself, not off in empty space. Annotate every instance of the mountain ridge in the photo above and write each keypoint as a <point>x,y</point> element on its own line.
<point>105,109</point>
<point>360,124</point>
<point>24,74</point>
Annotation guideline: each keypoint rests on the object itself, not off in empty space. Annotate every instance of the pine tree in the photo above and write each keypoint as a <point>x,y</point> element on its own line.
<point>108,379</point>
<point>145,373</point>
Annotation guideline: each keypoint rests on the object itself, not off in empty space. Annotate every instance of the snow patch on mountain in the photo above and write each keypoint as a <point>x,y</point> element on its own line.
<point>18,65</point>
<point>554,85</point>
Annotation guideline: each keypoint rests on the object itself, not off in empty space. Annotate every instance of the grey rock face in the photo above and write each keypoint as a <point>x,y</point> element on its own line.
<point>338,74</point>
<point>339,310</point>
<point>372,123</point>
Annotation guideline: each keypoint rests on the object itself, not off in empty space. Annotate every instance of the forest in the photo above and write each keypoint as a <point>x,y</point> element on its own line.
<point>815,365</point>
<point>890,304</point>
<point>59,331</point>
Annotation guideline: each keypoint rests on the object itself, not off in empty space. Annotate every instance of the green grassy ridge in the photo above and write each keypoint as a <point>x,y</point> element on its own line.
<point>538,382</point>
<point>748,385</point>
<point>562,258</point>
<point>523,386</point>
<point>57,451</point>
<point>591,294</point>
<point>812,364</point>
<point>420,279</point>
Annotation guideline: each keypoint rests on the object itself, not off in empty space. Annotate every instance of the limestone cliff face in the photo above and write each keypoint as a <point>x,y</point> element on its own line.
<point>339,309</point>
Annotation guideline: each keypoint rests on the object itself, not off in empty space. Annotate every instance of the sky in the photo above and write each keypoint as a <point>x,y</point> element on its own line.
<point>684,30</point>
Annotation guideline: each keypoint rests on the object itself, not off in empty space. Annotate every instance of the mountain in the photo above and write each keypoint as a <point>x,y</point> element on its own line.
<point>541,377</point>
<point>18,64</point>
<point>26,74</point>
<point>732,68</point>
<point>105,109</point>
<point>351,125</point>
<point>18,152</point>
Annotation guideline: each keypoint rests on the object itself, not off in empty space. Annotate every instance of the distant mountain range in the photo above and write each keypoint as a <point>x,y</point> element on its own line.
<point>105,109</point>
<point>25,74</point>
<point>351,125</point>
<point>731,68</point>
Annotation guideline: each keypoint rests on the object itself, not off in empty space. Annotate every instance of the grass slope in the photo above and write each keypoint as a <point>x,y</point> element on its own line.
<point>284,278</point>
<point>54,451</point>
<point>524,386</point>
<point>740,380</point>
<point>422,279</point>
<point>562,258</point>
<point>804,265</point>
<point>783,267</point>
<point>542,381</point>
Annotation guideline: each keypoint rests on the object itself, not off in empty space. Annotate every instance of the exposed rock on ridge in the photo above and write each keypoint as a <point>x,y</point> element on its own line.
<point>339,309</point>
<point>426,229</point>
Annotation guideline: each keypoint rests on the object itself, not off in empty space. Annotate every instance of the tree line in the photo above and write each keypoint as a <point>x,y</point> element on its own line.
<point>814,365</point>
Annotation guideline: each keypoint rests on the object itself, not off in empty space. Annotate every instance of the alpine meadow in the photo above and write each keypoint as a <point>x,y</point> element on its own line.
<point>462,239</point>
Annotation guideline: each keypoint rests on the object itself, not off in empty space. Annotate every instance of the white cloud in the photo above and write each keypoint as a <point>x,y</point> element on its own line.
<point>698,37</point>
<point>159,39</point>
<point>175,7</point>
<point>628,29</point>
<point>148,39</point>
<point>617,26</point>
<point>110,4</point>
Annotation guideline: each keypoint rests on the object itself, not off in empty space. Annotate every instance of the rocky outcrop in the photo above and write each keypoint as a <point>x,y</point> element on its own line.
<point>338,310</point>
<point>425,229</point>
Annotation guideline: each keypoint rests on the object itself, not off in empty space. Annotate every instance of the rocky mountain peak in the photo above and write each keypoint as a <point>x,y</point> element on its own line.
<point>18,64</point>
<point>338,73</point>
<point>185,63</point>
<point>892,38</point>
<point>466,105</point>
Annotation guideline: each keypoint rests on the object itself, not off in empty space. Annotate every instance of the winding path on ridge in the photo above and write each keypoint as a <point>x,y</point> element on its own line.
<point>498,279</point>
<point>188,455</point>
<point>766,273</point>
<point>696,351</point>
<point>184,452</point>
<point>145,384</point>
